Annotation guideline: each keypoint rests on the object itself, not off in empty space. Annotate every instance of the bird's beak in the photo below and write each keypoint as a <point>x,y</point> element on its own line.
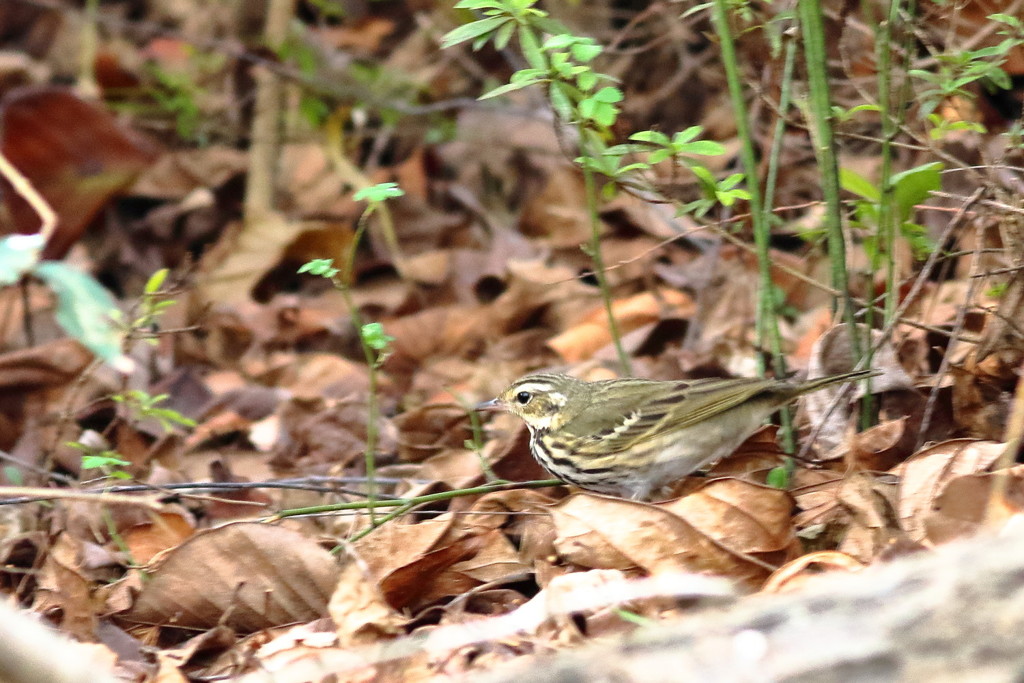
<point>488,406</point>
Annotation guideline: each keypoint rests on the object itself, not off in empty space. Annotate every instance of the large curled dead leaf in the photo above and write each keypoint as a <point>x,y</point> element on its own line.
<point>245,575</point>
<point>925,476</point>
<point>963,507</point>
<point>74,152</point>
<point>417,564</point>
<point>720,529</point>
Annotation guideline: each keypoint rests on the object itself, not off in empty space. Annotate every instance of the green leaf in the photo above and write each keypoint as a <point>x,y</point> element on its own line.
<point>507,88</point>
<point>608,94</point>
<point>586,81</point>
<point>473,30</point>
<point>84,310</point>
<point>778,477</point>
<point>864,107</point>
<point>913,186</point>
<point>660,155</point>
<point>18,254</point>
<point>527,76</point>
<point>653,137</point>
<point>92,462</point>
<point>375,337</point>
<point>559,41</point>
<point>706,148</point>
<point>686,135</point>
<point>324,267</point>
<point>156,281</point>
<point>560,101</point>
<point>478,4</point>
<point>531,49</point>
<point>585,52</point>
<point>379,192</point>
<point>851,181</point>
<point>707,181</point>
<point>504,35</point>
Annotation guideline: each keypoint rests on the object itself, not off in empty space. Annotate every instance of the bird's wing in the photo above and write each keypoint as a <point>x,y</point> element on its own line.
<point>664,407</point>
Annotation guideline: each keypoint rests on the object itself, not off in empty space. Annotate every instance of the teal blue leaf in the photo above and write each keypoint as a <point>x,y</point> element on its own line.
<point>84,310</point>
<point>18,253</point>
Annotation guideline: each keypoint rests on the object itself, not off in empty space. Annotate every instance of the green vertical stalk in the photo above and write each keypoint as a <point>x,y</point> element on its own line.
<point>885,244</point>
<point>820,104</point>
<point>890,127</point>
<point>785,97</point>
<point>816,58</point>
<point>594,249</point>
<point>767,324</point>
<point>344,284</point>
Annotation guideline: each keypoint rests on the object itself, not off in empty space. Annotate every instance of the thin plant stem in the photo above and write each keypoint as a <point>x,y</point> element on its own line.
<point>418,500</point>
<point>822,135</point>
<point>394,514</point>
<point>885,244</point>
<point>768,335</point>
<point>342,282</point>
<point>476,443</point>
<point>890,128</point>
<point>785,97</point>
<point>594,249</point>
<point>816,58</point>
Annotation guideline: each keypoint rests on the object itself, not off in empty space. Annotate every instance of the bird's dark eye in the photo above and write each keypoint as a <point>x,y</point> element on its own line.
<point>523,397</point>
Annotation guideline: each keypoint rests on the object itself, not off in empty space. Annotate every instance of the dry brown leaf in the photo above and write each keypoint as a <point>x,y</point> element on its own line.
<point>455,467</point>
<point>320,434</point>
<point>981,404</point>
<point>590,334</point>
<point>558,211</point>
<point>744,517</point>
<point>795,574</point>
<point>925,475</point>
<point>75,153</point>
<point>325,374</point>
<point>40,367</point>
<point>64,589</point>
<point>523,515</point>
<point>608,533</point>
<point>397,544</point>
<point>230,271</point>
<point>413,563</point>
<point>165,530</point>
<point>178,173</point>
<point>406,587</point>
<point>881,447</point>
<point>440,331</point>
<point>244,575</point>
<point>870,504</point>
<point>961,509</point>
<point>832,354</point>
<point>425,431</point>
<point>498,560</point>
<point>358,608</point>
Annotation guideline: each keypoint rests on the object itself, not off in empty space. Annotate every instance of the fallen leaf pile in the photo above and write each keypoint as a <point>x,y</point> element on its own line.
<point>224,561</point>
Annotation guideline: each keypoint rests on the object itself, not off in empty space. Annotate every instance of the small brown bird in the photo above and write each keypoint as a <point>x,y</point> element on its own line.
<point>631,437</point>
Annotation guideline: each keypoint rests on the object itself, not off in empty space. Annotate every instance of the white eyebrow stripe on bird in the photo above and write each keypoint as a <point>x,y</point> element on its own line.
<point>537,387</point>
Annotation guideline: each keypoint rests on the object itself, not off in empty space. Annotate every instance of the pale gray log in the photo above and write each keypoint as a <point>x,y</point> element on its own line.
<point>955,614</point>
